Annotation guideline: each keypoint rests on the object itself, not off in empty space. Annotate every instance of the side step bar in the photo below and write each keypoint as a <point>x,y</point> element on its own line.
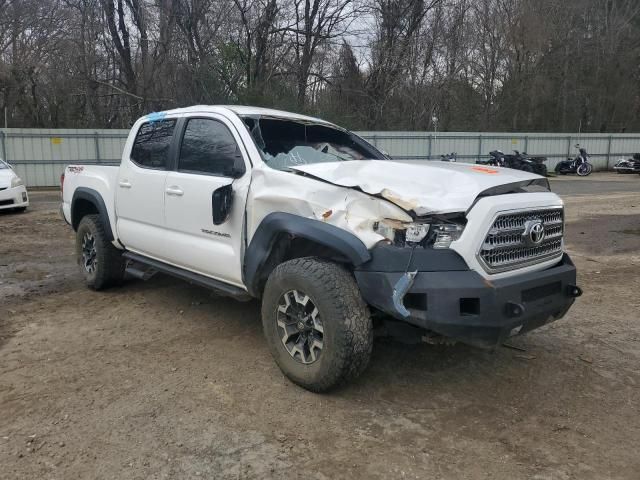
<point>144,268</point>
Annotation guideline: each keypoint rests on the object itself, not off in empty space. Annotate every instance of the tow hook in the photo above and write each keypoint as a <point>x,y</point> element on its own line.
<point>514,309</point>
<point>574,291</point>
<point>400,289</point>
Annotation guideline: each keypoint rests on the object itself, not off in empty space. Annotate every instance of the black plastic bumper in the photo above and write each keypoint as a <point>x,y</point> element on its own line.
<point>465,306</point>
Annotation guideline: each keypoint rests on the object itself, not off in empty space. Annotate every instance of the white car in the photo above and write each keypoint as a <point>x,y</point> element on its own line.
<point>13,193</point>
<point>334,237</point>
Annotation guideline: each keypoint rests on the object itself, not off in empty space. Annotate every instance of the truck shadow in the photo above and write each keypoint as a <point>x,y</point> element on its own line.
<point>394,366</point>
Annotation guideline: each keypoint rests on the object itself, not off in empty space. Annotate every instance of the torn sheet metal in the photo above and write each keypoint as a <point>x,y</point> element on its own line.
<point>278,191</point>
<point>419,186</point>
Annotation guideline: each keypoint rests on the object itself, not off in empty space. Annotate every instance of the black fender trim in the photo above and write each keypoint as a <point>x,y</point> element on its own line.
<point>91,195</point>
<point>276,223</point>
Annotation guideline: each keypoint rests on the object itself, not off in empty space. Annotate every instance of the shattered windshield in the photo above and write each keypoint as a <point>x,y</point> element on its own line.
<point>286,143</point>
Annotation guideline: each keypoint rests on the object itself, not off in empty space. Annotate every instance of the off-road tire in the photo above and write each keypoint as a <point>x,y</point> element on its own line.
<point>348,334</point>
<point>527,168</point>
<point>109,264</point>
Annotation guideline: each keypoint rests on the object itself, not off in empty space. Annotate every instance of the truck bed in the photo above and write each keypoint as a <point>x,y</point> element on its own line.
<point>99,178</point>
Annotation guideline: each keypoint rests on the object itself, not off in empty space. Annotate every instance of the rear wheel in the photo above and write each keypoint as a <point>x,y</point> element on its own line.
<point>100,262</point>
<point>527,168</point>
<point>316,324</point>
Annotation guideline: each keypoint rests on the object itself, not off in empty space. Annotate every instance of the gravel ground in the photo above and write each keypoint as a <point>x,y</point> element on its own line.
<point>165,380</point>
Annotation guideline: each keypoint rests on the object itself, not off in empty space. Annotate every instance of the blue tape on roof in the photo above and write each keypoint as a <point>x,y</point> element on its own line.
<point>156,116</point>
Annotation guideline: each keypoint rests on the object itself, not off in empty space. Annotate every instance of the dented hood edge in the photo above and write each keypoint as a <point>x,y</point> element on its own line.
<point>440,191</point>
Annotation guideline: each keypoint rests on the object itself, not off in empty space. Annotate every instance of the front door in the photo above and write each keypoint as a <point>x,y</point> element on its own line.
<point>207,161</point>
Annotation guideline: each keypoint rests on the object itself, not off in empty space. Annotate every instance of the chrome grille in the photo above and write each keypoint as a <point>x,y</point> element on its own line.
<point>506,246</point>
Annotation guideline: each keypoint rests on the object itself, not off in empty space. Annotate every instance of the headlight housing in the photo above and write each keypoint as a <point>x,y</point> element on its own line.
<point>432,233</point>
<point>16,181</point>
<point>445,234</point>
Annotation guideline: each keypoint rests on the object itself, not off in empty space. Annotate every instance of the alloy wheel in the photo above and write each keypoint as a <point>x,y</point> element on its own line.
<point>89,253</point>
<point>299,326</point>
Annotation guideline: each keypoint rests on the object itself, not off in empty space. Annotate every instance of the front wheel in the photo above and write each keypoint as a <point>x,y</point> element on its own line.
<point>316,324</point>
<point>100,262</point>
<point>584,169</point>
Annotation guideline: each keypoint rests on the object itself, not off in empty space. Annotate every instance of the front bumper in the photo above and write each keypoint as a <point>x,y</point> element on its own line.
<point>469,308</point>
<point>15,197</point>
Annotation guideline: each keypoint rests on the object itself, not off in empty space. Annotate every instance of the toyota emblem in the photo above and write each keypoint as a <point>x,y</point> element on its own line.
<point>533,232</point>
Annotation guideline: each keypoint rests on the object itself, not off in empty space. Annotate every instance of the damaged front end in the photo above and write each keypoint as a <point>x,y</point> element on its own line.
<point>422,243</point>
<point>417,275</point>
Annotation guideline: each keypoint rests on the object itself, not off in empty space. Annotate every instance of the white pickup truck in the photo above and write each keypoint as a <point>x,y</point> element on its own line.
<point>332,235</point>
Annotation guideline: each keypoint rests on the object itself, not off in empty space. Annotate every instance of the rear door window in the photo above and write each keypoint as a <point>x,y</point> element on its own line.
<point>151,146</point>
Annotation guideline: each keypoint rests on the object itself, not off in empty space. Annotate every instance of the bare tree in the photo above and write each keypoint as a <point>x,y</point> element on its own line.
<point>372,64</point>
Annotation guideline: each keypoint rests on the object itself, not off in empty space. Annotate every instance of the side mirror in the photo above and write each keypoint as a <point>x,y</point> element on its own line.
<point>221,202</point>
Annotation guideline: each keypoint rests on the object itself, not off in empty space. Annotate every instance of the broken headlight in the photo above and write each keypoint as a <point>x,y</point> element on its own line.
<point>439,234</point>
<point>446,233</point>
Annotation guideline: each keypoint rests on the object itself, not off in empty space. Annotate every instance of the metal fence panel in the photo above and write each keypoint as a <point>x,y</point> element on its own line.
<point>40,155</point>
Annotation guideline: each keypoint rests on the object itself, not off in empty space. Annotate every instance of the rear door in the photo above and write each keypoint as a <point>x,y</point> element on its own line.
<point>209,148</point>
<point>140,188</point>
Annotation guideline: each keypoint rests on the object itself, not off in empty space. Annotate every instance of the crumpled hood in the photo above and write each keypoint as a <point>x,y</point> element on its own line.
<point>422,186</point>
<point>6,174</point>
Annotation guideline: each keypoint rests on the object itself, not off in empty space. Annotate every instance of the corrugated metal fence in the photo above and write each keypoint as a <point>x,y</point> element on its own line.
<point>40,155</point>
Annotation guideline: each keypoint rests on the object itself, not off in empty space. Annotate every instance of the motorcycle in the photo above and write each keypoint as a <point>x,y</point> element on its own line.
<point>579,165</point>
<point>496,159</point>
<point>526,163</point>
<point>517,161</point>
<point>450,157</point>
<point>630,165</point>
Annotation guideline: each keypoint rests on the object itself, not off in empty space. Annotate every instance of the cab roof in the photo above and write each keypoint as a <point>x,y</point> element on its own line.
<point>245,110</point>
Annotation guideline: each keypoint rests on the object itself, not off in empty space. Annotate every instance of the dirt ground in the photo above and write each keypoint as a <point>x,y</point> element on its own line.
<point>164,380</point>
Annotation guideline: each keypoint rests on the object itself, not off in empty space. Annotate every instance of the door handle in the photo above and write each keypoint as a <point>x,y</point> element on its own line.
<point>176,191</point>
<point>124,184</point>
